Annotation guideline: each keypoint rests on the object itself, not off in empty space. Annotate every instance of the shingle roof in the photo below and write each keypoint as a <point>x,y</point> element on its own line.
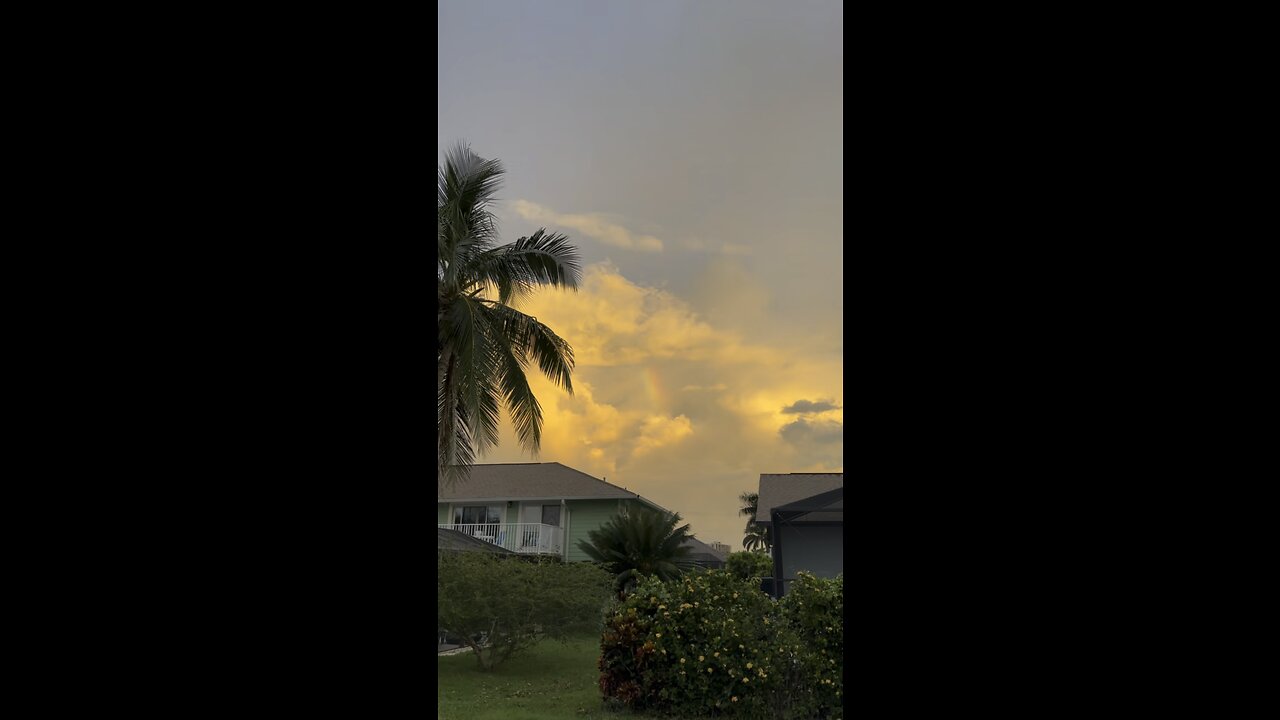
<point>528,481</point>
<point>778,489</point>
<point>703,551</point>
<point>459,541</point>
<point>823,507</point>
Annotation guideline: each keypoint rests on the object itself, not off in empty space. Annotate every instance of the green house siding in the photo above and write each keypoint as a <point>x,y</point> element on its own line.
<point>585,516</point>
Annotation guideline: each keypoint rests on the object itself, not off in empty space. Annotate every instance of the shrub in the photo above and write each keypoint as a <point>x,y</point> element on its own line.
<point>684,646</point>
<point>637,543</point>
<point>499,606</point>
<point>813,609</point>
<point>713,644</point>
<point>749,565</point>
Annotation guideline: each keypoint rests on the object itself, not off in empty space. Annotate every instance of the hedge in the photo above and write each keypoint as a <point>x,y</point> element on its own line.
<point>713,644</point>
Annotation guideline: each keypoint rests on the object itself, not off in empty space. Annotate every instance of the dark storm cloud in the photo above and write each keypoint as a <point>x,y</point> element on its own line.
<point>819,432</point>
<point>806,406</point>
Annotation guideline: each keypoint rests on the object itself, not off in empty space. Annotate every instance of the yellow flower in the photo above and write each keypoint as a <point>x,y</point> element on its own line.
<point>746,679</point>
<point>701,658</point>
<point>716,654</point>
<point>734,698</point>
<point>710,669</point>
<point>666,614</point>
<point>664,652</point>
<point>659,634</point>
<point>748,666</point>
<point>742,647</point>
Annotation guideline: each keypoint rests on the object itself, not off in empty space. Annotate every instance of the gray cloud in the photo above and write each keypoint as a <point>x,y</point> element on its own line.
<point>806,406</point>
<point>819,432</point>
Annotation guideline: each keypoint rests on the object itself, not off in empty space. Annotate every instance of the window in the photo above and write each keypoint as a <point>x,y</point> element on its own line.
<point>551,515</point>
<point>477,515</point>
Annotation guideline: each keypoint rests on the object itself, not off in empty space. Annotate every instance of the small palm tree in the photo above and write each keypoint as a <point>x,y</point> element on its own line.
<point>639,542</point>
<point>757,536</point>
<point>484,345</point>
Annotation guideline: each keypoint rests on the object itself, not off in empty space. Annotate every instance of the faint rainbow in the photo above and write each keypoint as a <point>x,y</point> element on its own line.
<point>654,388</point>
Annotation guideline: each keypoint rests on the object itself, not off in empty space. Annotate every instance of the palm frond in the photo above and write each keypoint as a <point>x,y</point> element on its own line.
<point>483,347</point>
<point>542,259</point>
<point>538,343</point>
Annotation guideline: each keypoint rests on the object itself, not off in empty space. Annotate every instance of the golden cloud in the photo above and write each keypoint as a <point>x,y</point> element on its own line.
<point>671,406</point>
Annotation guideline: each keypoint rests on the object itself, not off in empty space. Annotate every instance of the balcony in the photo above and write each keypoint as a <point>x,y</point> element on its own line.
<point>524,538</point>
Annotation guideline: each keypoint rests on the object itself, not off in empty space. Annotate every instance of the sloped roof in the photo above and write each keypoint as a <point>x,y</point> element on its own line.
<point>514,481</point>
<point>823,507</point>
<point>461,542</point>
<point>778,489</point>
<point>703,551</point>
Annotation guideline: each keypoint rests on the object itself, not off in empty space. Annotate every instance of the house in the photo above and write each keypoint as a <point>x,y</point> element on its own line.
<point>535,508</point>
<point>804,513</point>
<point>707,556</point>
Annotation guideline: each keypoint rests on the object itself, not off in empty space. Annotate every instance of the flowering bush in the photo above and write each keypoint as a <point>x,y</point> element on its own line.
<point>713,644</point>
<point>813,609</point>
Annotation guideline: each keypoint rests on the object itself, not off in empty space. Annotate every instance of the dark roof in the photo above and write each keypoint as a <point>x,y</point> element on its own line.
<point>455,541</point>
<point>516,481</point>
<point>778,489</point>
<point>703,552</point>
<point>823,507</point>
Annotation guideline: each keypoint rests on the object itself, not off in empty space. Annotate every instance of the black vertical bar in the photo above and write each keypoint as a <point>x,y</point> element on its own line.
<point>777,554</point>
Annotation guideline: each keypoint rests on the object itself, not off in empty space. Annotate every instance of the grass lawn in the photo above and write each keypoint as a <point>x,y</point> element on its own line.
<point>550,681</point>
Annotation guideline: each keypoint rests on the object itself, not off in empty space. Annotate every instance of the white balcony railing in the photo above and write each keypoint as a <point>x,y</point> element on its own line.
<point>516,537</point>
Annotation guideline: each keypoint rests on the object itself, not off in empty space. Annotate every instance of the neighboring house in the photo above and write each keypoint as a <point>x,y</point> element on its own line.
<point>804,513</point>
<point>534,508</point>
<point>720,547</point>
<point>707,556</point>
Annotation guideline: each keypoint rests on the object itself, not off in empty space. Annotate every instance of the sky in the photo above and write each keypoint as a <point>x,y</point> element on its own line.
<point>692,150</point>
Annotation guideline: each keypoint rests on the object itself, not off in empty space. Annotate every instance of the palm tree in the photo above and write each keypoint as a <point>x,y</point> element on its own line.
<point>757,536</point>
<point>751,501</point>
<point>639,542</point>
<point>484,345</point>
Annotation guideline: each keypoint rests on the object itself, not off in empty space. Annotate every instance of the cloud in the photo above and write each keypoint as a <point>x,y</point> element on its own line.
<point>589,224</point>
<point>819,432</point>
<point>657,431</point>
<point>612,322</point>
<point>676,406</point>
<point>805,406</point>
<point>696,388</point>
